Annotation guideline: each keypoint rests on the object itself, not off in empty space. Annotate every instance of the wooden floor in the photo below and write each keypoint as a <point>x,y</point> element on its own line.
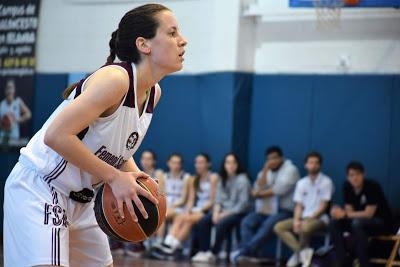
<point>120,261</point>
<point>123,261</point>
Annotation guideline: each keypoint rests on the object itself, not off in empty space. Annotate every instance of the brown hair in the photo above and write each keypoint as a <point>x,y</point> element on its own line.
<point>138,22</point>
<point>197,176</point>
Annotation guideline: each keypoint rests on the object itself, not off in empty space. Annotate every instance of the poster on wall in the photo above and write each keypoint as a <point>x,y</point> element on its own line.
<point>18,32</point>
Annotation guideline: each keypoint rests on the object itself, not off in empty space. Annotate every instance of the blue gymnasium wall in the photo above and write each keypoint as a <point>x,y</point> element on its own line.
<point>343,117</point>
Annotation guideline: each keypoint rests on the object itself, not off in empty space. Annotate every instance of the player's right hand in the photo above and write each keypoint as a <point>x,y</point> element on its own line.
<point>126,190</point>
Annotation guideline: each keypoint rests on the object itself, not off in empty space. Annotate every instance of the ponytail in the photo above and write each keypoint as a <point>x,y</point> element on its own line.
<point>69,89</point>
<point>112,44</point>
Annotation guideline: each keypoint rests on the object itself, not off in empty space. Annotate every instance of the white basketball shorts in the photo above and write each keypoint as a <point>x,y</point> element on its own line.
<point>45,227</point>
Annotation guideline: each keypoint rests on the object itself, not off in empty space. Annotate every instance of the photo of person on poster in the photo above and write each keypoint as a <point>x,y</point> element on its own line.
<point>13,113</point>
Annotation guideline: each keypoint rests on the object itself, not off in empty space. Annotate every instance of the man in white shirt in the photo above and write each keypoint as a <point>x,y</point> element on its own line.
<point>312,196</point>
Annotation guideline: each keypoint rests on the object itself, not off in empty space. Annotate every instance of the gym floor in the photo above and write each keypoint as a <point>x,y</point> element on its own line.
<point>121,261</point>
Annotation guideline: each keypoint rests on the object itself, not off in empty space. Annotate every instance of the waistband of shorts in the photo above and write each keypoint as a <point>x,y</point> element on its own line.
<point>85,195</point>
<point>25,163</point>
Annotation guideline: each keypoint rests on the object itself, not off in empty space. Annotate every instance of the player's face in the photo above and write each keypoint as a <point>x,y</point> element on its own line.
<point>175,164</point>
<point>230,165</point>
<point>313,165</point>
<point>356,178</point>
<point>147,161</point>
<point>10,90</point>
<point>201,165</point>
<point>168,46</point>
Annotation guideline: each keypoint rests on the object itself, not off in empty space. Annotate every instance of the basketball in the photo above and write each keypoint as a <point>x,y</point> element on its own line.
<point>6,121</point>
<point>109,220</point>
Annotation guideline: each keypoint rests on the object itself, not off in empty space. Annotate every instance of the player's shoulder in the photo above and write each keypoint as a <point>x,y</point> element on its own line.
<point>214,177</point>
<point>113,74</point>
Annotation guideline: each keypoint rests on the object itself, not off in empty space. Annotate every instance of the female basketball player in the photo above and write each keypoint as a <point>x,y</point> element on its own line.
<point>202,192</point>
<point>90,139</point>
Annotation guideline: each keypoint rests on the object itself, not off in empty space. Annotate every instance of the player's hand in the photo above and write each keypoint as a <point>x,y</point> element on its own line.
<point>126,189</point>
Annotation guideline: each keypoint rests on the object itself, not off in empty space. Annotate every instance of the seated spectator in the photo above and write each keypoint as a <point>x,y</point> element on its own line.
<point>231,205</point>
<point>176,187</point>
<point>273,191</point>
<point>312,196</point>
<point>202,191</point>
<point>366,213</point>
<point>148,162</point>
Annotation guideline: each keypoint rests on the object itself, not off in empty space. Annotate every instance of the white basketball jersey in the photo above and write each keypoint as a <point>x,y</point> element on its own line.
<point>203,194</point>
<point>113,139</point>
<point>174,187</point>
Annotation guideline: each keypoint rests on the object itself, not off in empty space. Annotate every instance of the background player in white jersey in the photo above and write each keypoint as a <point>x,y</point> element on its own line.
<point>103,120</point>
<point>176,186</point>
<point>148,162</point>
<point>202,193</point>
<point>16,111</point>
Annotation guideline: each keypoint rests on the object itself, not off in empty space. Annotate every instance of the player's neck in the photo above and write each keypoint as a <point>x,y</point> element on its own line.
<point>149,171</point>
<point>176,173</point>
<point>204,175</point>
<point>147,75</point>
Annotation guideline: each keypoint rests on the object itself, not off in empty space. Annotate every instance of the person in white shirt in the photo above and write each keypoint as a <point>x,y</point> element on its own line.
<point>312,196</point>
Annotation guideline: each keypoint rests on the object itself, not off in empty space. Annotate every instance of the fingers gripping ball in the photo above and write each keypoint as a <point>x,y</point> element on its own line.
<point>109,220</point>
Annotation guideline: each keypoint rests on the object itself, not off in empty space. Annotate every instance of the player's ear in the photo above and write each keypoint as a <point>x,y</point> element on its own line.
<point>143,45</point>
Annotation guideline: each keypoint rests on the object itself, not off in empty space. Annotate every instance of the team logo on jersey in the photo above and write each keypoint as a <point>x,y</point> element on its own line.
<point>132,140</point>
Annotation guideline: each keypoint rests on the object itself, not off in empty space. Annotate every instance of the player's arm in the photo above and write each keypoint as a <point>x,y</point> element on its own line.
<point>130,166</point>
<point>213,193</point>
<point>104,91</point>
<point>102,96</point>
<point>185,192</point>
<point>160,179</point>
<point>25,111</point>
<point>191,194</point>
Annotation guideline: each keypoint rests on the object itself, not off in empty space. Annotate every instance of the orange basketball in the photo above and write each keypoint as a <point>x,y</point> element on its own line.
<point>109,220</point>
<point>6,121</point>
